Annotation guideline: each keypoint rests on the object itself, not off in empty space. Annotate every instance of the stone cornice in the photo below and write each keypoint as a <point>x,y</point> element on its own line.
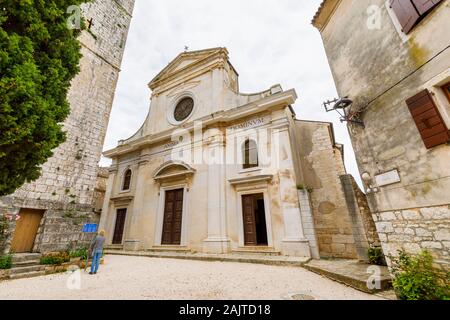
<point>282,99</point>
<point>185,75</point>
<point>122,199</point>
<point>252,179</point>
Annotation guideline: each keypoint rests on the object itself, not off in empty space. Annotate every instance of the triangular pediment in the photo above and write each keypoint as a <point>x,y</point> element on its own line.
<point>185,61</point>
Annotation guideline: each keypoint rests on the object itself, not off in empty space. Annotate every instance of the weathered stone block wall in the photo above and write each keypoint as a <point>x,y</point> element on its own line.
<point>322,165</point>
<point>68,180</point>
<point>100,189</point>
<point>364,230</point>
<point>415,230</point>
<point>366,215</point>
<point>61,225</point>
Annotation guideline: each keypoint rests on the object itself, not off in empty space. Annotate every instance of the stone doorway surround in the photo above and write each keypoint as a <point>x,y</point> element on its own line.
<point>173,175</point>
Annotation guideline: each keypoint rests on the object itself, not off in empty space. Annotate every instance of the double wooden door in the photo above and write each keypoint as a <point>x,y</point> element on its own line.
<point>254,217</point>
<point>173,215</point>
<point>26,230</point>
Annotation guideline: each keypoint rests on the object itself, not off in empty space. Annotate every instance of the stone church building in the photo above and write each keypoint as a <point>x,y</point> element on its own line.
<point>214,170</point>
<point>53,209</point>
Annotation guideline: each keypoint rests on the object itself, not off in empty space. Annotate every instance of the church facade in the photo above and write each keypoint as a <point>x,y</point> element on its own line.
<point>216,171</point>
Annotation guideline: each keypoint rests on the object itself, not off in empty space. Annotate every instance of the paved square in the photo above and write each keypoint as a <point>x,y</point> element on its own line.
<point>126,277</point>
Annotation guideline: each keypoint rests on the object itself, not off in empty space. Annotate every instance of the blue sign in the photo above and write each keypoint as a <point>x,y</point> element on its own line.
<point>90,228</point>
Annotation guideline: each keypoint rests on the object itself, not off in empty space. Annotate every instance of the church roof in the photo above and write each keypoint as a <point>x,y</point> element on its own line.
<point>186,60</point>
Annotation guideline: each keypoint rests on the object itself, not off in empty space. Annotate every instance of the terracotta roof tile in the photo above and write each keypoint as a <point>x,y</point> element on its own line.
<point>318,11</point>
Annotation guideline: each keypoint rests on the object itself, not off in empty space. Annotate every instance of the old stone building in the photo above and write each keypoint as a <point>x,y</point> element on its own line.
<point>392,60</point>
<point>217,171</point>
<point>53,209</point>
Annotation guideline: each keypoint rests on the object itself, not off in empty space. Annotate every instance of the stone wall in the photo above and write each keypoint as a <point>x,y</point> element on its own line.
<point>415,230</point>
<point>367,220</point>
<point>100,189</point>
<point>340,211</point>
<point>62,224</point>
<point>67,186</point>
<point>364,230</point>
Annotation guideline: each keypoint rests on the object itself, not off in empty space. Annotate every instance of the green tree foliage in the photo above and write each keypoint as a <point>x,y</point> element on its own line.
<point>39,56</point>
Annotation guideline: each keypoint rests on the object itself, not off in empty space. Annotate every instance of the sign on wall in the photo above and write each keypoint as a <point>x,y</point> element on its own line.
<point>90,228</point>
<point>388,178</point>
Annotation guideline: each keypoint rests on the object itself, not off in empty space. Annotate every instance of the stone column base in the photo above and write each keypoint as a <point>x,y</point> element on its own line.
<point>216,245</point>
<point>131,245</point>
<point>296,248</point>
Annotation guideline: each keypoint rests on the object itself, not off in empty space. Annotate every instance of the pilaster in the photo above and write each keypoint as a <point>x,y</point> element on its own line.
<point>294,242</point>
<point>217,240</point>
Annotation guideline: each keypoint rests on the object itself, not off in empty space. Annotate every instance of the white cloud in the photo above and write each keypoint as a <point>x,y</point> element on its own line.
<point>269,42</point>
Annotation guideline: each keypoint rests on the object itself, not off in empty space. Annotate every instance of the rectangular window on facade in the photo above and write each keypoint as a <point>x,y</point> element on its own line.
<point>428,120</point>
<point>410,12</point>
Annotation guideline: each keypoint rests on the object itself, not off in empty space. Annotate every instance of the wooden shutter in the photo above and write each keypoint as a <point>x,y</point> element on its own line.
<point>406,14</point>
<point>423,6</point>
<point>426,115</point>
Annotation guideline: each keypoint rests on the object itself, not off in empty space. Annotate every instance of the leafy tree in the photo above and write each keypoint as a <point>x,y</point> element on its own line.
<point>39,56</point>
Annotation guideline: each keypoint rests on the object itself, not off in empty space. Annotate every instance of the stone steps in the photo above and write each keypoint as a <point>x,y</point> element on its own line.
<point>169,249</point>
<point>26,275</point>
<point>241,258</point>
<point>25,257</point>
<point>28,269</point>
<point>26,265</point>
<point>258,251</point>
<point>113,247</point>
<point>352,273</point>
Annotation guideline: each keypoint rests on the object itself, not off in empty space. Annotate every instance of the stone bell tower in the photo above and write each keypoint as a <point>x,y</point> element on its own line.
<point>63,197</point>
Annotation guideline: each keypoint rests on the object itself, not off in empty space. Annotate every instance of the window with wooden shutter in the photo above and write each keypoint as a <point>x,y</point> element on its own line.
<point>406,14</point>
<point>426,115</point>
<point>423,6</point>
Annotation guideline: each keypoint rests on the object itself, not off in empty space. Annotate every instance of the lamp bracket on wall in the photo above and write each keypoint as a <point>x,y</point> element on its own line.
<point>341,106</point>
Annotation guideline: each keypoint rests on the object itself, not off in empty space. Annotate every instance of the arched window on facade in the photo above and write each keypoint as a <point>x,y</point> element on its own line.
<point>126,180</point>
<point>250,150</point>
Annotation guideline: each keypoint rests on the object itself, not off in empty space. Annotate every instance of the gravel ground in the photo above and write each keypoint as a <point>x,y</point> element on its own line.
<point>145,278</point>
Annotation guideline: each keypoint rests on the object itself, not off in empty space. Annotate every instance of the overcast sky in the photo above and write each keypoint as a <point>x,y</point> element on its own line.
<point>270,42</point>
